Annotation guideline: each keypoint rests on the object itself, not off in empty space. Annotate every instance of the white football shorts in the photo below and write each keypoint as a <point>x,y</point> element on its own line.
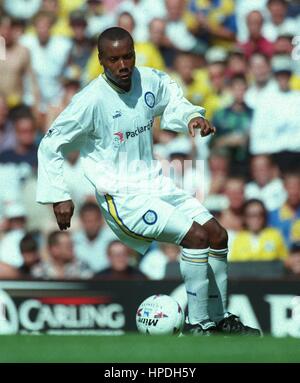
<point>139,219</point>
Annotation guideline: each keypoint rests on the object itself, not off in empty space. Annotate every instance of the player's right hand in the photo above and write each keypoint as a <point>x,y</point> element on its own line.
<point>63,212</point>
<point>201,123</point>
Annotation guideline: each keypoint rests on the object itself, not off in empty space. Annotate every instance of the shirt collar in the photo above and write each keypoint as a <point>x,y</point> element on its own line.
<point>113,85</point>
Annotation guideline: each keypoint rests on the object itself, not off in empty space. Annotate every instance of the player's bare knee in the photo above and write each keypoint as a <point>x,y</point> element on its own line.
<point>201,239</point>
<point>219,240</point>
<point>196,238</point>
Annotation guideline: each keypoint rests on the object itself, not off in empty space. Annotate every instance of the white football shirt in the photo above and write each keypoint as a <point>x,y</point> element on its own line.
<point>113,131</point>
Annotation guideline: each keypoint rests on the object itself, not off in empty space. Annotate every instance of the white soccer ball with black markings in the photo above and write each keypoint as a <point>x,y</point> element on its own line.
<point>160,315</point>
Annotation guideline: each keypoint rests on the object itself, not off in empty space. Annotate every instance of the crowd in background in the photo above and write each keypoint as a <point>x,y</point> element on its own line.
<point>239,59</point>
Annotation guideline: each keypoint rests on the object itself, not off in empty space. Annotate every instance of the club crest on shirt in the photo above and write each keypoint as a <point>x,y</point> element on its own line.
<point>150,99</point>
<point>150,217</point>
<point>118,139</point>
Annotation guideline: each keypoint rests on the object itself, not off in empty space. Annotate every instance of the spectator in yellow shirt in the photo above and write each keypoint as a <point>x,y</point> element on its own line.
<point>257,242</point>
<point>214,21</point>
<point>67,6</point>
<point>195,90</point>
<point>213,80</point>
<point>61,25</point>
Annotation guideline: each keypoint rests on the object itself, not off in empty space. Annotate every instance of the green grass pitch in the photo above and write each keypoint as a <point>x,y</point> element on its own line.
<point>134,348</point>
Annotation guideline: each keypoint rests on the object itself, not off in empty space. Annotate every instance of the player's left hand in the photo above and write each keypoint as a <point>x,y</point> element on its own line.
<point>204,125</point>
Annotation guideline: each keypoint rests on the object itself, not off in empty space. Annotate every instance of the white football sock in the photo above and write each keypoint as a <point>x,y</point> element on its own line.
<point>217,291</point>
<point>193,266</point>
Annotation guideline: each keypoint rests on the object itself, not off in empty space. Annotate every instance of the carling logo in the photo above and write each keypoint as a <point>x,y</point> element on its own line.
<point>295,303</point>
<point>9,321</point>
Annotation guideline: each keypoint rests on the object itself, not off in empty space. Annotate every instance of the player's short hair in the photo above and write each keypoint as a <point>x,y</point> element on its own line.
<point>112,34</point>
<point>89,206</point>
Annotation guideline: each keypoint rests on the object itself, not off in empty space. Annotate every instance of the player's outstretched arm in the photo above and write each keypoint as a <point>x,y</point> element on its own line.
<point>176,111</point>
<point>201,123</point>
<point>63,212</point>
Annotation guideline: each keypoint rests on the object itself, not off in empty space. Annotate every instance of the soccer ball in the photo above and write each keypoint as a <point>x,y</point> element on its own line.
<point>160,315</point>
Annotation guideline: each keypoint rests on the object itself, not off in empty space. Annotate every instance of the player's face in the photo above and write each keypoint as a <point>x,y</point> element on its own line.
<point>118,61</point>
